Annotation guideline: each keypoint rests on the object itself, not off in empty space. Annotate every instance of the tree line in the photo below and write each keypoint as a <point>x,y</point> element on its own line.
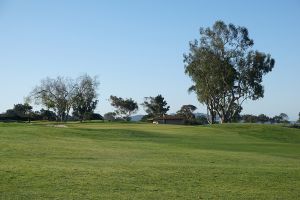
<point>225,70</point>
<point>59,96</point>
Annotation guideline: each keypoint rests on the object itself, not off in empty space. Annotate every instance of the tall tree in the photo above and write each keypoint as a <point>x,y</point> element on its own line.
<point>155,106</point>
<point>56,94</point>
<point>225,69</point>
<point>124,107</point>
<point>85,97</point>
<point>187,111</point>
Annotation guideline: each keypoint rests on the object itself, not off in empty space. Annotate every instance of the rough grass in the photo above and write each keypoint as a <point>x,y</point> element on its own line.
<point>145,161</point>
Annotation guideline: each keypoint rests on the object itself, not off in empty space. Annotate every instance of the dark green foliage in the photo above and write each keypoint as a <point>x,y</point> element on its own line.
<point>202,119</point>
<point>186,111</point>
<point>124,107</point>
<point>146,118</point>
<point>156,106</point>
<point>281,118</point>
<point>225,70</point>
<point>110,116</point>
<point>47,115</point>
<point>96,116</point>
<point>85,100</point>
<point>20,112</point>
<point>250,118</point>
<point>294,126</point>
<point>263,118</point>
<point>199,120</point>
<point>284,117</point>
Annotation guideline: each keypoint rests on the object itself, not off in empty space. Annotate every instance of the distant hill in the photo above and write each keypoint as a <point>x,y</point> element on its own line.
<point>200,114</point>
<point>136,118</point>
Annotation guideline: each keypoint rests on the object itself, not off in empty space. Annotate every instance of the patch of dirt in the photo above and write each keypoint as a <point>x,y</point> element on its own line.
<point>58,126</point>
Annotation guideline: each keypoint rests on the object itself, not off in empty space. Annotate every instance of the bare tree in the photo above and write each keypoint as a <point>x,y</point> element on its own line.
<point>56,94</point>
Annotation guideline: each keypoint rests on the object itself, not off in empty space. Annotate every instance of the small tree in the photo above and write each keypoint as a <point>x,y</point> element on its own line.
<point>96,116</point>
<point>250,118</point>
<point>186,111</point>
<point>124,107</point>
<point>155,106</point>
<point>284,117</point>
<point>202,119</point>
<point>47,115</point>
<point>110,116</point>
<point>19,112</point>
<point>263,118</point>
<point>281,118</point>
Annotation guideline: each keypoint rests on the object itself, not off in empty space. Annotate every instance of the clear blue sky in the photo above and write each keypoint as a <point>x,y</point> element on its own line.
<point>136,47</point>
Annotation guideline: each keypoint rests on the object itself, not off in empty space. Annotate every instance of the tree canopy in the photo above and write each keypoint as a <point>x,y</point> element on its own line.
<point>62,94</point>
<point>186,111</point>
<point>225,69</point>
<point>155,106</point>
<point>124,107</point>
<point>85,97</point>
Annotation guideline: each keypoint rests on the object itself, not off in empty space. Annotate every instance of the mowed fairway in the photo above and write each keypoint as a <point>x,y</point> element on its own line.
<point>145,161</point>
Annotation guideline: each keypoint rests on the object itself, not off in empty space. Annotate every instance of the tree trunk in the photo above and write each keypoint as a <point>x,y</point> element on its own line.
<point>211,116</point>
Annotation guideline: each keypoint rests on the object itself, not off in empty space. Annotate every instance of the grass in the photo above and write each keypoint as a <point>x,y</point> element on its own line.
<point>145,161</point>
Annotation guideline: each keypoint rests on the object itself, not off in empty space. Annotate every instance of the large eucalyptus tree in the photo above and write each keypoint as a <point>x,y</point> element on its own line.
<point>226,70</point>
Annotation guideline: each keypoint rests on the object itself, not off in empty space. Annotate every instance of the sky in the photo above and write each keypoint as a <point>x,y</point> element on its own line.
<point>136,47</point>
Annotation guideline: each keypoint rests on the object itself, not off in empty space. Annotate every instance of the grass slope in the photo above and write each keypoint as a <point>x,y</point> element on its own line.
<point>144,161</point>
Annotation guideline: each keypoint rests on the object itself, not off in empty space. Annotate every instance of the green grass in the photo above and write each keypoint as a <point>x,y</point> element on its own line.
<point>145,161</point>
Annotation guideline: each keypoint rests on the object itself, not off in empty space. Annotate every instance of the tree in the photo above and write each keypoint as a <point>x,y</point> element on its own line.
<point>23,111</point>
<point>85,97</point>
<point>284,118</point>
<point>110,116</point>
<point>250,118</point>
<point>202,119</point>
<point>299,118</point>
<point>281,118</point>
<point>263,118</point>
<point>96,116</point>
<point>124,107</point>
<point>186,111</point>
<point>47,115</point>
<point>56,94</point>
<point>155,106</point>
<point>225,69</point>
